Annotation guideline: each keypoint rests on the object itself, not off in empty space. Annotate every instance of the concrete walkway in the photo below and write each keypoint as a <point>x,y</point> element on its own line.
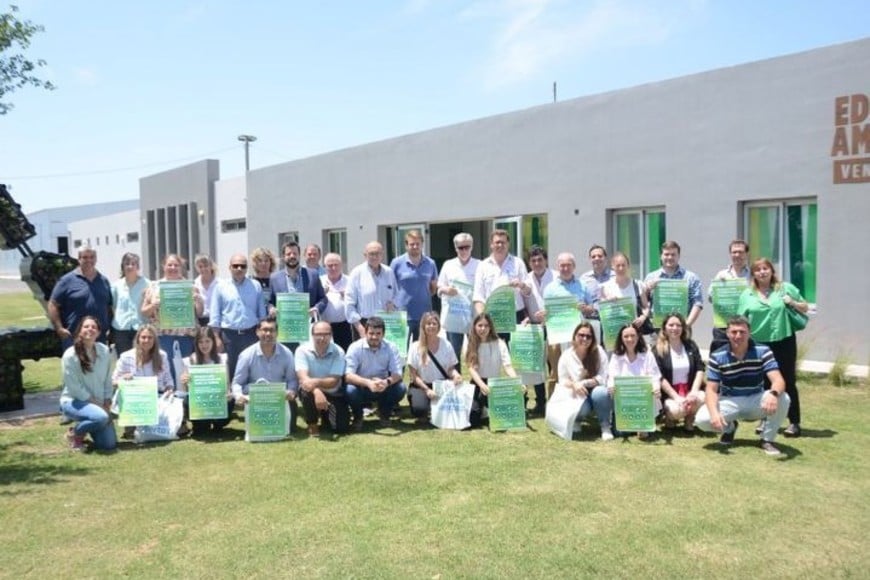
<point>37,405</point>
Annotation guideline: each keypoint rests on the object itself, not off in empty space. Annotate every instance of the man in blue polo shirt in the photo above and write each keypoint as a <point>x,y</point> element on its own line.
<point>82,292</point>
<point>320,371</point>
<point>417,277</point>
<point>373,373</point>
<point>735,388</point>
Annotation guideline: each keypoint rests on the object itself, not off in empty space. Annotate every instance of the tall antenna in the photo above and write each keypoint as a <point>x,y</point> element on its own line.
<point>554,92</point>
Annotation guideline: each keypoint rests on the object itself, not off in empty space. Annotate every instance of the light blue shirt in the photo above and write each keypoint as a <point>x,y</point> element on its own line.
<point>696,297</point>
<point>254,366</point>
<point>127,303</point>
<point>82,386</point>
<point>415,282</point>
<point>331,364</point>
<point>368,363</point>
<point>368,292</point>
<point>237,306</point>
<point>572,287</point>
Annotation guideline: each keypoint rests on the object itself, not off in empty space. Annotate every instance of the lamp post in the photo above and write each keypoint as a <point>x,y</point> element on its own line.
<point>247,140</point>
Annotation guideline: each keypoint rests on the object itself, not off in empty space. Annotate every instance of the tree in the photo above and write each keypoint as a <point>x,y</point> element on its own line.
<point>16,71</point>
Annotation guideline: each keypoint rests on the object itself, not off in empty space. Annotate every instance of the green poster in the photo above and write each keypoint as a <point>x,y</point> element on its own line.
<point>614,315</point>
<point>502,307</point>
<point>725,295</point>
<point>396,329</point>
<point>507,407</point>
<point>562,318</point>
<point>176,304</point>
<point>137,402</point>
<point>266,416</point>
<point>670,296</point>
<point>207,389</point>
<point>293,324</point>
<point>528,354</point>
<point>633,404</point>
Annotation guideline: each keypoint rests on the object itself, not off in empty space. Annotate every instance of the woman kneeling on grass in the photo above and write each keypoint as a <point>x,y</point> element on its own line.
<point>87,388</point>
<point>145,359</point>
<point>487,356</point>
<point>631,358</point>
<point>205,352</point>
<point>682,370</point>
<point>430,359</point>
<point>583,371</point>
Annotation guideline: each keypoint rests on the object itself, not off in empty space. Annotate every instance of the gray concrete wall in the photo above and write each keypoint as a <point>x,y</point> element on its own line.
<point>230,203</point>
<point>190,184</point>
<point>698,146</point>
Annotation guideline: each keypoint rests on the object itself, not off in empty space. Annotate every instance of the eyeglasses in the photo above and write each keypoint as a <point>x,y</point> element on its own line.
<point>239,266</point>
<point>461,248</point>
<point>582,336</point>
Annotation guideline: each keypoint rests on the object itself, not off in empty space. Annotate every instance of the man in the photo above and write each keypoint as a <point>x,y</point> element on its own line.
<point>312,259</point>
<point>236,308</point>
<point>595,278</point>
<point>320,371</point>
<point>671,270</point>
<point>739,269</point>
<point>334,283</point>
<point>417,277</point>
<point>373,373</point>
<point>371,287</point>
<point>455,271</point>
<point>735,388</point>
<point>500,269</point>
<point>82,292</point>
<point>294,278</point>
<point>266,361</point>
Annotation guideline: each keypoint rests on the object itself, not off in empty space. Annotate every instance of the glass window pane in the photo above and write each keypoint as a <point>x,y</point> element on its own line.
<point>628,236</point>
<point>802,255</point>
<point>763,234</point>
<point>655,237</point>
<point>534,232</point>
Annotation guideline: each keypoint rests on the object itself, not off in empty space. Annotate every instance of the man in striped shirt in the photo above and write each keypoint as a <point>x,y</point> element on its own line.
<point>735,388</point>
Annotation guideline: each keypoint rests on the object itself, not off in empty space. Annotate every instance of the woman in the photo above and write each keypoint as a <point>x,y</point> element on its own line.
<point>632,358</point>
<point>622,285</point>
<point>765,303</point>
<point>205,283</point>
<point>430,359</point>
<point>87,388</point>
<point>127,295</point>
<point>583,372</point>
<point>146,359</point>
<point>205,352</point>
<point>173,270</point>
<point>486,356</point>
<point>679,361</point>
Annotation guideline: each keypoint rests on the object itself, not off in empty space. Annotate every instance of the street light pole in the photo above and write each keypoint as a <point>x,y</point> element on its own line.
<point>247,139</point>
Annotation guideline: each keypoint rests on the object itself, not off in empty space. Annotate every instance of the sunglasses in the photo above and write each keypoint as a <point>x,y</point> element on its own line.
<point>582,336</point>
<point>463,247</point>
<point>239,266</point>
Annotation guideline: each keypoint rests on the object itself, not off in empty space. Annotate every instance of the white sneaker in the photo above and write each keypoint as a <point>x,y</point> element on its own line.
<point>606,434</point>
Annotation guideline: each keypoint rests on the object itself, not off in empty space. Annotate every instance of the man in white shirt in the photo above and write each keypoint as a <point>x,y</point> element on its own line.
<point>371,287</point>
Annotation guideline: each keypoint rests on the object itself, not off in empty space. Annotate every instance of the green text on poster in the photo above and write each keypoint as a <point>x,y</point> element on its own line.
<point>725,295</point>
<point>614,315</point>
<point>670,296</point>
<point>266,416</point>
<point>528,354</point>
<point>176,304</point>
<point>292,313</point>
<point>633,404</point>
<point>137,402</point>
<point>207,392</point>
<point>507,409</point>
<point>562,318</point>
<point>501,306</point>
<point>396,329</point>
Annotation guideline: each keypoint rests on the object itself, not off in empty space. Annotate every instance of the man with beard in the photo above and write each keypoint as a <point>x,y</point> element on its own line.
<point>295,278</point>
<point>417,277</point>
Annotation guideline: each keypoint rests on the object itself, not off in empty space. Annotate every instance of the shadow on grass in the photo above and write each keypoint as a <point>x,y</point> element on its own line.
<point>818,433</point>
<point>20,465</point>
<point>788,452</point>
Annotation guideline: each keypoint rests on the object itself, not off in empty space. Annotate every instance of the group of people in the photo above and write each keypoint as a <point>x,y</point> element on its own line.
<point>348,366</point>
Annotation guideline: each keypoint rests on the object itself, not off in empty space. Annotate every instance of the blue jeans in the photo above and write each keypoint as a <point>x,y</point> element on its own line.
<point>185,344</point>
<point>387,399</point>
<point>91,419</point>
<point>600,401</point>
<point>455,339</point>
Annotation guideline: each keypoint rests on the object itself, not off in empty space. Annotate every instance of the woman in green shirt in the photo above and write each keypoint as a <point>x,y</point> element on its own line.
<point>765,303</point>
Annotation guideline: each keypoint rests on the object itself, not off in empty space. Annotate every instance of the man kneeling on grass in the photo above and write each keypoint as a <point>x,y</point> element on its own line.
<point>735,388</point>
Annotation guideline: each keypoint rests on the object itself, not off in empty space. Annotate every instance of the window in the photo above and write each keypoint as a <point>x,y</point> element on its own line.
<point>132,237</point>
<point>77,243</point>
<point>524,232</point>
<point>287,237</point>
<point>336,242</point>
<point>639,234</point>
<point>785,232</point>
<point>236,225</point>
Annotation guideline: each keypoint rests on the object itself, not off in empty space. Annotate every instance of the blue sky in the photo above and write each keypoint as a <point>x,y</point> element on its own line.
<point>148,86</point>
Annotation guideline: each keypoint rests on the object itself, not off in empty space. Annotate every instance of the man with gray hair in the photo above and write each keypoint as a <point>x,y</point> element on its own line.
<point>82,292</point>
<point>457,276</point>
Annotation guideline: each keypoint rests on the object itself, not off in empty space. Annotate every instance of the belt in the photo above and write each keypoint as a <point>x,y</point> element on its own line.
<point>240,331</point>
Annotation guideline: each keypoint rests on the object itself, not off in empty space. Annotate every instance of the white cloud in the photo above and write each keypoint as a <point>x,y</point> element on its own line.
<point>85,75</point>
<point>532,35</point>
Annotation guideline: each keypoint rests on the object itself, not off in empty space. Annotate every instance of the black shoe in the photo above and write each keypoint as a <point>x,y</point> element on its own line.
<point>793,430</point>
<point>727,438</point>
<point>759,429</point>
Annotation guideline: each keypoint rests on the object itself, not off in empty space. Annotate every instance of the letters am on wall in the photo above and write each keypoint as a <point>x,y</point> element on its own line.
<point>851,146</point>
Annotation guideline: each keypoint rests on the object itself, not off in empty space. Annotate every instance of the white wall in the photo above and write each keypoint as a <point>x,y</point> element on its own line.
<point>229,203</point>
<point>108,236</point>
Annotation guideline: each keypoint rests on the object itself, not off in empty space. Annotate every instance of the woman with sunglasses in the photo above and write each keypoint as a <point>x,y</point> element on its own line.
<point>583,372</point>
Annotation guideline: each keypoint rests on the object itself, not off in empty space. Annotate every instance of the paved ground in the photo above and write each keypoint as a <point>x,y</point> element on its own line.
<point>37,405</point>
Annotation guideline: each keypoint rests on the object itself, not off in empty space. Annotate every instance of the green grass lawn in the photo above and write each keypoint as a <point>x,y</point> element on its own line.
<point>423,503</point>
